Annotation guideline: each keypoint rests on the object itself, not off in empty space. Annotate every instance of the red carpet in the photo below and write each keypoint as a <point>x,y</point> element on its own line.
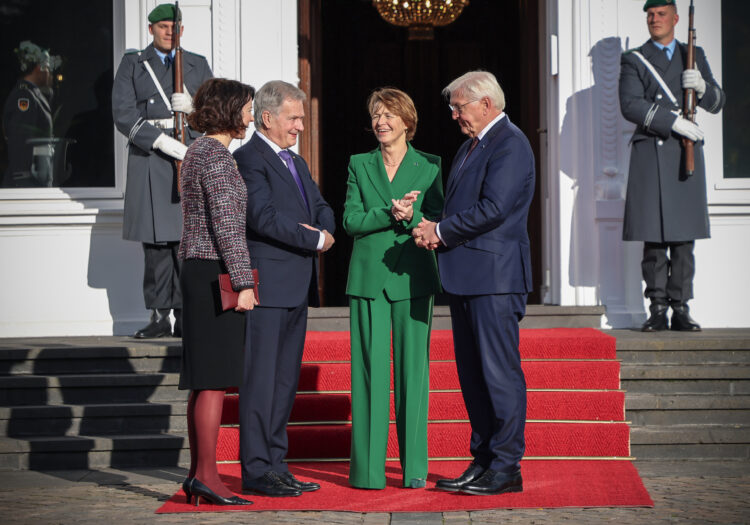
<point>575,410</point>
<point>553,483</point>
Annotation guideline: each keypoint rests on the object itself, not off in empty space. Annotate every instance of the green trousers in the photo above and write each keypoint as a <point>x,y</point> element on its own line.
<point>371,322</point>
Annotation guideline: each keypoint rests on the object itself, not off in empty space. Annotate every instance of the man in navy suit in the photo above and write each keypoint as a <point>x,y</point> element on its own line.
<point>288,224</point>
<point>484,262</point>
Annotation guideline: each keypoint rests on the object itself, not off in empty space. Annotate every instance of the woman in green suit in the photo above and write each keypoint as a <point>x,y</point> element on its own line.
<point>391,287</point>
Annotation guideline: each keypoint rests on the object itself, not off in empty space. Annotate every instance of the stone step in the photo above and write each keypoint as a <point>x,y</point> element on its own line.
<point>537,316</point>
<point>90,452</point>
<point>690,434</point>
<point>95,419</point>
<point>87,389</point>
<point>634,401</point>
<point>714,339</point>
<point>684,371</point>
<point>84,356</point>
<point>686,386</point>
<point>701,452</point>
<point>691,442</point>
<point>684,357</point>
<point>664,410</point>
<point>667,418</point>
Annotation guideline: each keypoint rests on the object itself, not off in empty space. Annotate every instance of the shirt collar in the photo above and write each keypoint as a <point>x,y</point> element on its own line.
<point>275,147</point>
<point>669,46</point>
<point>489,126</point>
<point>162,56</point>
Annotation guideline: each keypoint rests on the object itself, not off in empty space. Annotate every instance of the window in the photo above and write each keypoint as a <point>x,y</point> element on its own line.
<point>55,87</point>
<point>735,26</point>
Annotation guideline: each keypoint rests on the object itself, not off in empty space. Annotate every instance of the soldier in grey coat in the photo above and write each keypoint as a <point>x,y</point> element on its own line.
<point>664,208</point>
<point>142,105</point>
<point>27,115</point>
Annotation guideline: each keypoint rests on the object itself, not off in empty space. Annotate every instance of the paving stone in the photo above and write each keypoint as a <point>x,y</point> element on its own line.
<point>689,492</point>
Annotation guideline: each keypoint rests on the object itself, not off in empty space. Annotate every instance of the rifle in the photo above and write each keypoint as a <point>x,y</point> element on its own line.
<point>179,117</point>
<point>689,102</point>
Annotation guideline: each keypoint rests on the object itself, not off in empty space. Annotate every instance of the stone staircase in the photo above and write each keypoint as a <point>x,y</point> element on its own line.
<point>90,402</point>
<point>93,402</point>
<point>688,395</point>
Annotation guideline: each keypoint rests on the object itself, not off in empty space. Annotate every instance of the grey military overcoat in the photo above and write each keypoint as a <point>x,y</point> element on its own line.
<point>152,207</point>
<point>662,205</point>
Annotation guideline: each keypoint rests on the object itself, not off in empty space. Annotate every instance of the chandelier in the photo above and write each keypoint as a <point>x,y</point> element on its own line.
<point>420,16</point>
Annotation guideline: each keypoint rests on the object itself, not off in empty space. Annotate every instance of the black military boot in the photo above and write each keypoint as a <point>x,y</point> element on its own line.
<point>681,319</point>
<point>158,327</point>
<point>658,320</point>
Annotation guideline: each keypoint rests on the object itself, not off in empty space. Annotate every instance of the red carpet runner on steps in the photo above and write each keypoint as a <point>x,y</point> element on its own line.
<point>577,441</point>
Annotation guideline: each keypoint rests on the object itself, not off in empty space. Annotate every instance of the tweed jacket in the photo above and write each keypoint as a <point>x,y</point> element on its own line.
<point>214,200</point>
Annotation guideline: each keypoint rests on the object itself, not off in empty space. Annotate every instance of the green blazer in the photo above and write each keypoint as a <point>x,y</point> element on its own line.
<point>385,256</point>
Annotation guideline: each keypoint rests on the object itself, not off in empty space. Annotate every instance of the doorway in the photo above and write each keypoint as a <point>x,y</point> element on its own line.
<point>347,50</point>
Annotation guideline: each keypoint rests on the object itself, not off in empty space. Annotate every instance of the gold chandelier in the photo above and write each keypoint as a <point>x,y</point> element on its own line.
<point>420,16</point>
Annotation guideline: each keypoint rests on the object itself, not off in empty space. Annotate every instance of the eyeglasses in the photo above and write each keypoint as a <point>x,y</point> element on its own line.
<point>460,107</point>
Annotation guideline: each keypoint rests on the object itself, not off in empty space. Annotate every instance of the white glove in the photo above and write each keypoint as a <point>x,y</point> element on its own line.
<point>182,102</point>
<point>687,129</point>
<point>173,148</point>
<point>692,79</point>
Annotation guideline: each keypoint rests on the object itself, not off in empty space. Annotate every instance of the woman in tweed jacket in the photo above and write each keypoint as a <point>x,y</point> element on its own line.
<point>213,241</point>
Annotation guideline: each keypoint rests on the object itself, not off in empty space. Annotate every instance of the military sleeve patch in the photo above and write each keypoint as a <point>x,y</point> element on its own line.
<point>23,104</point>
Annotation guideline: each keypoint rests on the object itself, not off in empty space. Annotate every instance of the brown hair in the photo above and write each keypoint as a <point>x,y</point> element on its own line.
<point>218,106</point>
<point>398,102</point>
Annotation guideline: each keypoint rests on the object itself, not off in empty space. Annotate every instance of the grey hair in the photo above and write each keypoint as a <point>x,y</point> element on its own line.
<point>271,96</point>
<point>476,85</point>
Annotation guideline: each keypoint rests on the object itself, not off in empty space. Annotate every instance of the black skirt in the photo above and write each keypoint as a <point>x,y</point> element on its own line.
<point>213,341</point>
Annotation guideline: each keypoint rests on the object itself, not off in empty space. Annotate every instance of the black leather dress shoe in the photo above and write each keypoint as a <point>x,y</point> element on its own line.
<point>304,486</point>
<point>470,474</point>
<point>658,319</point>
<point>270,484</point>
<point>158,327</point>
<point>493,482</point>
<point>681,319</point>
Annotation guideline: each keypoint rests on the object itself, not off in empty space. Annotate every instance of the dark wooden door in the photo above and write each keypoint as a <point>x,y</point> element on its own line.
<point>347,50</point>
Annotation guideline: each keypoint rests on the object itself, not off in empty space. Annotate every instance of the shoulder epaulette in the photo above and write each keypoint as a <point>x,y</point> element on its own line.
<point>193,54</point>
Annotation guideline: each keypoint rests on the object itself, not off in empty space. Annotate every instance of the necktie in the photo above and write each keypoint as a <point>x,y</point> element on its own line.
<point>168,60</point>
<point>666,52</point>
<point>474,143</point>
<point>287,157</point>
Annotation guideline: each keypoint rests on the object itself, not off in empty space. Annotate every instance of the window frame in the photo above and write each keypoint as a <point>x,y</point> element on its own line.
<point>71,194</point>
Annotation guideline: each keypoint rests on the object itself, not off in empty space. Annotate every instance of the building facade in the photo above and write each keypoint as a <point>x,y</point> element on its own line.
<point>67,271</point>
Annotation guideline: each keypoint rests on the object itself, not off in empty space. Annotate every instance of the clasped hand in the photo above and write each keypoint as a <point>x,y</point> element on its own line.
<point>425,235</point>
<point>329,240</point>
<point>402,209</point>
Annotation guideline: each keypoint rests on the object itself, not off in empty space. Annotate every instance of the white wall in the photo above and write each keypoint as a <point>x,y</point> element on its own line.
<point>64,268</point>
<point>594,266</point>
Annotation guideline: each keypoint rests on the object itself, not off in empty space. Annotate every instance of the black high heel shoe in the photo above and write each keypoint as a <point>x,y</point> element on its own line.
<point>199,490</point>
<point>186,488</point>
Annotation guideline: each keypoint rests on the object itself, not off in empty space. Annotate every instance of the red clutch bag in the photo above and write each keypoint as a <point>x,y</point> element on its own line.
<point>229,296</point>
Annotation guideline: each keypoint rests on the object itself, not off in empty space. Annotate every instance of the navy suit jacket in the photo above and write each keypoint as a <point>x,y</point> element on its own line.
<point>283,251</point>
<point>484,218</point>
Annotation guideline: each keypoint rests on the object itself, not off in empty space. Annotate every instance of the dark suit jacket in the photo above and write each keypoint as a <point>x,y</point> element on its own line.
<point>484,219</point>
<point>283,251</point>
